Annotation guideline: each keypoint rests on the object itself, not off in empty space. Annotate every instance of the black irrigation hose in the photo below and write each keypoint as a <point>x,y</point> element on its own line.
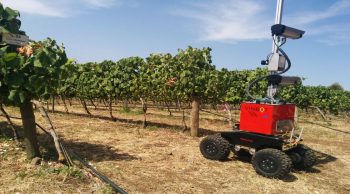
<point>70,162</point>
<point>99,175</point>
<point>66,155</point>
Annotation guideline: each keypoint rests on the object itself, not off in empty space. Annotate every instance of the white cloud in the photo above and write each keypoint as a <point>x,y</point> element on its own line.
<point>54,8</point>
<point>35,7</point>
<point>238,20</point>
<point>102,3</point>
<point>324,25</point>
<point>341,7</point>
<point>232,20</point>
<point>332,34</point>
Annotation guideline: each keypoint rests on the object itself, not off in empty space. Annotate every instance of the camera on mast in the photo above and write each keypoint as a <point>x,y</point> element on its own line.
<point>286,31</point>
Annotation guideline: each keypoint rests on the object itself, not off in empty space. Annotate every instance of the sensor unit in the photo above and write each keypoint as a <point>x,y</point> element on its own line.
<point>277,62</point>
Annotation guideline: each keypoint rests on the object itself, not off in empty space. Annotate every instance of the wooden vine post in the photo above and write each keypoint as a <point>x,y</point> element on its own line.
<point>51,129</point>
<point>144,109</point>
<point>195,117</point>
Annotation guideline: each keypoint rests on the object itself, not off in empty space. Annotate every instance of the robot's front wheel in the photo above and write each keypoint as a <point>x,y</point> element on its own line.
<point>271,163</point>
<point>215,147</point>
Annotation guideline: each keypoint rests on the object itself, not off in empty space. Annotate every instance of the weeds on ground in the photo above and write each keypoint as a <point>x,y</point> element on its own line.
<point>128,111</point>
<point>107,190</point>
<point>43,171</point>
<point>21,175</point>
<point>67,171</point>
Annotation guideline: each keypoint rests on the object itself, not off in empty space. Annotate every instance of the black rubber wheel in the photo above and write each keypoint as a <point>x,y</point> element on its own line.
<point>307,157</point>
<point>215,147</point>
<point>271,163</point>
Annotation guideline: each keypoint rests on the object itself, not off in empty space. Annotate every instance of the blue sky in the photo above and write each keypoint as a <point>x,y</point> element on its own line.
<point>238,31</point>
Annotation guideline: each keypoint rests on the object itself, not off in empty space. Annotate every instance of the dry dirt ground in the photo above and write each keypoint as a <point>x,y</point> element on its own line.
<point>163,159</point>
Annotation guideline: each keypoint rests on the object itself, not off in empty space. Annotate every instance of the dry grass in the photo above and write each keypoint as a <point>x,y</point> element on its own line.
<point>163,159</point>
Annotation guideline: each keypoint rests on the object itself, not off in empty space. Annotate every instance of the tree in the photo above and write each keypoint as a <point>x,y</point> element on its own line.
<point>196,67</point>
<point>26,73</point>
<point>336,86</point>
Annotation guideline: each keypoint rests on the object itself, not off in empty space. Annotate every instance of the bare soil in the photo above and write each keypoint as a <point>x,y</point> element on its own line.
<point>164,159</point>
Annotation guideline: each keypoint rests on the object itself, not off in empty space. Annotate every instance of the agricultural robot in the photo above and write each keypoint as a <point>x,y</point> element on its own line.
<point>267,126</point>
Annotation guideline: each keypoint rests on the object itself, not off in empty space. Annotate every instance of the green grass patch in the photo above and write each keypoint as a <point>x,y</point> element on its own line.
<point>66,170</point>
<point>152,128</point>
<point>3,154</point>
<point>21,175</point>
<point>129,111</point>
<point>125,110</point>
<point>107,190</point>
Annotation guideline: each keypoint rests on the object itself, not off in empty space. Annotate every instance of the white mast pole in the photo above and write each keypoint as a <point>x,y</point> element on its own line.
<point>278,20</point>
<point>272,89</point>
